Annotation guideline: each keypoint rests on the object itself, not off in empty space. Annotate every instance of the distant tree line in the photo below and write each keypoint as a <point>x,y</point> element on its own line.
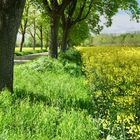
<point>127,39</point>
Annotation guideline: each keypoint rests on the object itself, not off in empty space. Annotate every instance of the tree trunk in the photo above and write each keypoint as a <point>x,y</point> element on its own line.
<point>22,41</point>
<point>47,40</point>
<point>53,48</point>
<point>23,32</point>
<point>10,17</point>
<point>41,36</point>
<point>65,39</point>
<point>34,42</point>
<point>34,34</point>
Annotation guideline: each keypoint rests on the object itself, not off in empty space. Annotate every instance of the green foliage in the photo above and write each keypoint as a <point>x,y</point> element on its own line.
<point>79,125</point>
<point>17,53</point>
<point>65,64</point>
<point>79,33</point>
<point>113,75</point>
<point>71,55</point>
<point>53,74</point>
<point>71,61</point>
<point>46,64</point>
<point>128,39</point>
<point>48,103</point>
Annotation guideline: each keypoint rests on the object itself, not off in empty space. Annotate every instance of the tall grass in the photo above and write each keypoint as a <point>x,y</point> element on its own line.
<point>50,102</point>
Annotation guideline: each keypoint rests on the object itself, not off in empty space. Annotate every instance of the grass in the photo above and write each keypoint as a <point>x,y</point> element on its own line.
<point>27,51</point>
<point>70,99</point>
<point>50,102</point>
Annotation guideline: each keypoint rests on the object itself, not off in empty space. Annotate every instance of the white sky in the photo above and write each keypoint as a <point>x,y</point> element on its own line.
<point>122,23</point>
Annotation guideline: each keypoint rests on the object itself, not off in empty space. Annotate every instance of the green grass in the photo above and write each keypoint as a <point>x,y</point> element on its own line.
<point>28,51</point>
<point>50,102</point>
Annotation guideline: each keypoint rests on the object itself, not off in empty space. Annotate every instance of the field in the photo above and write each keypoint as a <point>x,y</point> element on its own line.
<point>113,74</point>
<point>26,49</point>
<point>50,102</point>
<point>93,97</point>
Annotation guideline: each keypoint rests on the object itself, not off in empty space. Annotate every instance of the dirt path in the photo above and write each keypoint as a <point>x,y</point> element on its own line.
<point>27,58</point>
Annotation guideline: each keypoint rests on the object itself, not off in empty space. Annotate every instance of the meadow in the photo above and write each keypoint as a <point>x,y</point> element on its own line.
<point>91,95</point>
<point>28,50</point>
<point>113,74</point>
<point>50,102</point>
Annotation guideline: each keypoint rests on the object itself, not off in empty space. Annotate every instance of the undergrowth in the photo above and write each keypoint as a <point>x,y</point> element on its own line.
<point>50,102</point>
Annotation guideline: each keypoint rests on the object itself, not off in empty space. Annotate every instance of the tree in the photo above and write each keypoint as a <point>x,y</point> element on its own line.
<point>32,20</point>
<point>42,27</point>
<point>75,12</point>
<point>10,18</point>
<point>24,24</point>
<point>78,34</point>
<point>91,11</point>
<point>54,9</point>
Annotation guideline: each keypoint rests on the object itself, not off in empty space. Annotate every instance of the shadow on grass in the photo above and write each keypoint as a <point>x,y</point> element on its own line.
<point>62,103</point>
<point>33,98</point>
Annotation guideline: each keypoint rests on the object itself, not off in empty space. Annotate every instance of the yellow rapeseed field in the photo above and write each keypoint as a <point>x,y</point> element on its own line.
<point>113,74</point>
<point>26,49</point>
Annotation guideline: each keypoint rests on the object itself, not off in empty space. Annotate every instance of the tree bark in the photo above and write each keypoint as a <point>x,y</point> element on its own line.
<point>41,36</point>
<point>65,39</point>
<point>53,48</point>
<point>34,31</point>
<point>22,41</point>
<point>34,41</point>
<point>47,40</point>
<point>10,18</point>
<point>24,27</point>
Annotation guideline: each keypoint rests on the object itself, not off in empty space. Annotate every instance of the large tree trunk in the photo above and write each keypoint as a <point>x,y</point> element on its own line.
<point>10,17</point>
<point>65,39</point>
<point>53,48</point>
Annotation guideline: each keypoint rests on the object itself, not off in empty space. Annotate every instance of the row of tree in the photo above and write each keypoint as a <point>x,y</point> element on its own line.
<point>62,13</point>
<point>34,26</point>
<point>127,39</point>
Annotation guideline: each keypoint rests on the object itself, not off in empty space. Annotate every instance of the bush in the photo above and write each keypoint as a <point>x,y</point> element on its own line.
<point>71,55</point>
<point>72,62</point>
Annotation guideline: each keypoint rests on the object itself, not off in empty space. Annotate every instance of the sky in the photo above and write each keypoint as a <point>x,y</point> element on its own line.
<point>122,23</point>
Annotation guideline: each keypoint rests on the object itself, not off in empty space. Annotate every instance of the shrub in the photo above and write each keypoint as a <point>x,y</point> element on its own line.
<point>72,62</point>
<point>71,55</point>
